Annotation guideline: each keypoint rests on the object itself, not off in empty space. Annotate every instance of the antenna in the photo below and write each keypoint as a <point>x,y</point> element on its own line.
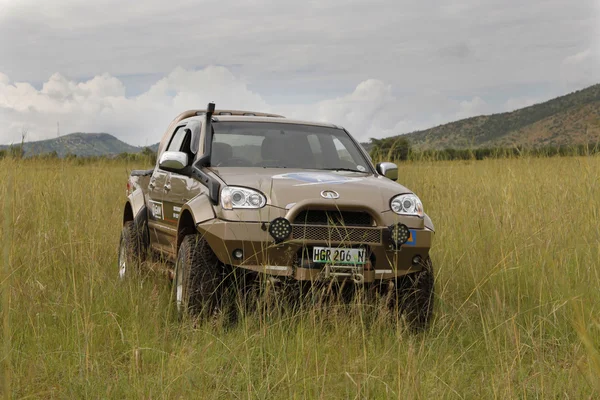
<point>57,129</point>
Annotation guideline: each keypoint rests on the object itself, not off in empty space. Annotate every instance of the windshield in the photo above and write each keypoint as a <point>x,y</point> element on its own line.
<point>276,145</point>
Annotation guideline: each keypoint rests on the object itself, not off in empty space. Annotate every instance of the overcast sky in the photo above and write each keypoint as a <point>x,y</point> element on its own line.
<point>377,67</point>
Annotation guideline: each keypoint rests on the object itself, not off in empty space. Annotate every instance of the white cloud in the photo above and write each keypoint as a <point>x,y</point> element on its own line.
<point>100,104</point>
<point>580,69</point>
<point>471,108</point>
<point>578,58</point>
<point>363,112</point>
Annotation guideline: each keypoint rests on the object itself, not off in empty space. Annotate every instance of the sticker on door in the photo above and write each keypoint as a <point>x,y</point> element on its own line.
<point>156,208</point>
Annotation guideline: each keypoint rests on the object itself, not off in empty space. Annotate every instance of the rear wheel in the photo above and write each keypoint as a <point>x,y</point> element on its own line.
<point>132,249</point>
<point>199,279</point>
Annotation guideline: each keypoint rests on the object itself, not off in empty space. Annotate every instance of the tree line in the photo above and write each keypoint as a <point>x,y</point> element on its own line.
<point>146,156</point>
<point>400,149</point>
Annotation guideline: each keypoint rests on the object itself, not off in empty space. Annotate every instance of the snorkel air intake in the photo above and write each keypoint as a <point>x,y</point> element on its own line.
<point>204,161</point>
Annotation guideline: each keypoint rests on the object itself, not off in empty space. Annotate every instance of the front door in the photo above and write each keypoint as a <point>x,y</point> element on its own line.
<point>179,189</point>
<point>162,231</point>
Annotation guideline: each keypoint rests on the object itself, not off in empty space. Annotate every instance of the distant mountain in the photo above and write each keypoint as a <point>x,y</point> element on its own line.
<point>81,145</point>
<point>567,120</point>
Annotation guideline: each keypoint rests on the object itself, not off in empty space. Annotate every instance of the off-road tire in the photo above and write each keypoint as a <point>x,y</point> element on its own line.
<point>415,297</point>
<point>201,278</point>
<point>132,249</point>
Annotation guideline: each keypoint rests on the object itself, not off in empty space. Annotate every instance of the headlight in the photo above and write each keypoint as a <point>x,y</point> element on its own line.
<point>239,197</point>
<point>407,204</point>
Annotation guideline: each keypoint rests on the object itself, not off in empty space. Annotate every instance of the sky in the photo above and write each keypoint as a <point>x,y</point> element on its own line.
<point>376,67</point>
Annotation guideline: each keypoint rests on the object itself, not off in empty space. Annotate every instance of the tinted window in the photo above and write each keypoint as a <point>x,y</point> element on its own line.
<point>276,145</point>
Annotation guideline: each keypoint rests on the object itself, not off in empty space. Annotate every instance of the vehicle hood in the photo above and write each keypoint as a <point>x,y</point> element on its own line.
<point>284,187</point>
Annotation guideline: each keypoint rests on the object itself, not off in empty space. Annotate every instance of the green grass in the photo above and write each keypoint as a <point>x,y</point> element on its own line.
<point>516,254</point>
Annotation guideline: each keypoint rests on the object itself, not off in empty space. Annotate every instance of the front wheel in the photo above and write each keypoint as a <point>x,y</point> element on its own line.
<point>198,286</point>
<point>414,295</point>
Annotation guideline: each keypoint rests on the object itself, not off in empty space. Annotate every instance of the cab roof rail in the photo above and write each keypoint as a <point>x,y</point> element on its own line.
<point>241,113</point>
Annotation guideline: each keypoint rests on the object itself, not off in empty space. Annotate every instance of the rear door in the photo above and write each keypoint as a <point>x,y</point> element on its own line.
<point>155,207</point>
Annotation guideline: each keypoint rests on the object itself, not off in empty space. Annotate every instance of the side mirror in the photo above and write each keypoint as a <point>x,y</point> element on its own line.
<point>173,160</point>
<point>388,169</point>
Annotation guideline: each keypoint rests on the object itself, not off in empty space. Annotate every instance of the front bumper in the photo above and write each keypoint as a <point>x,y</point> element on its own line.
<point>291,258</point>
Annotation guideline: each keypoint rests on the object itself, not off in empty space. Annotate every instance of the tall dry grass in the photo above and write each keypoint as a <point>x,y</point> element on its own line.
<point>516,253</point>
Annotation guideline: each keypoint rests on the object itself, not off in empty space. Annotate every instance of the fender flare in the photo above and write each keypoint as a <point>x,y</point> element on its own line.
<point>136,211</point>
<point>194,212</point>
<point>135,204</point>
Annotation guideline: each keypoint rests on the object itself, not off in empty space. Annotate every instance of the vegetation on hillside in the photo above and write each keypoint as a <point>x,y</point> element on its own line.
<point>397,148</point>
<point>146,156</point>
<point>572,119</point>
<point>400,149</point>
<point>76,144</point>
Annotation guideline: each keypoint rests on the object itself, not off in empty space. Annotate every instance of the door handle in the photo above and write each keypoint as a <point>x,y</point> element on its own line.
<point>167,186</point>
<point>152,185</point>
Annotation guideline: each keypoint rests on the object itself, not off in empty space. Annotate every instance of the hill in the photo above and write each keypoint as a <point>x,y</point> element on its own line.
<point>567,120</point>
<point>81,145</point>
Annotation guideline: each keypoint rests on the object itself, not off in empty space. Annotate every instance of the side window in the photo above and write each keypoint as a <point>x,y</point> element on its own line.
<point>177,139</point>
<point>195,127</point>
<point>181,141</point>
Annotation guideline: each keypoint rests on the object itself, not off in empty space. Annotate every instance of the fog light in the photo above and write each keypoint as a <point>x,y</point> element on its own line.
<point>417,260</point>
<point>400,234</point>
<point>280,228</point>
<point>238,254</point>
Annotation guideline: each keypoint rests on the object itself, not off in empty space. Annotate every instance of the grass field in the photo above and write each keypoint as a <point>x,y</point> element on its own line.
<point>516,256</point>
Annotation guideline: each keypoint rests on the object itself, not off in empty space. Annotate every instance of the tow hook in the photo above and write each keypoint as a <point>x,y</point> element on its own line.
<point>359,279</point>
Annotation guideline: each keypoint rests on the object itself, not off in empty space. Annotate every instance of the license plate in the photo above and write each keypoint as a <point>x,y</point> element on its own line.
<point>336,255</point>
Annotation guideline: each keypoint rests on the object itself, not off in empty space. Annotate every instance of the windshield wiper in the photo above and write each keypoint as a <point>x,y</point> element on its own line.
<point>343,169</point>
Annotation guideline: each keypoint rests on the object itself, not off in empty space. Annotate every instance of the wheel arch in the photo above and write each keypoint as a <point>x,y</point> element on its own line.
<point>135,210</point>
<point>194,212</point>
<point>186,226</point>
<point>134,205</point>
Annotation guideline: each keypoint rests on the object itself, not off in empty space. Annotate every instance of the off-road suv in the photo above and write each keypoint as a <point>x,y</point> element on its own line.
<point>275,198</point>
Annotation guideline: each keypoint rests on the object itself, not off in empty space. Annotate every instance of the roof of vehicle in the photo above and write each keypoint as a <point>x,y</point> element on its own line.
<point>248,116</point>
<point>193,113</point>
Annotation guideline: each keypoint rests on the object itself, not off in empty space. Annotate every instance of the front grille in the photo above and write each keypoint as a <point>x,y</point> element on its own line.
<point>336,234</point>
<point>334,217</point>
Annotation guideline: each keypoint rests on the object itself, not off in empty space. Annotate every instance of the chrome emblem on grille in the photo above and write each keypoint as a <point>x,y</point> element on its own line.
<point>330,194</point>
